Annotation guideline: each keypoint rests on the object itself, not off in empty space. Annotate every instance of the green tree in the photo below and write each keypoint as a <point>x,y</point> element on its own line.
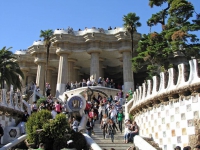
<point>46,35</point>
<point>156,51</point>
<point>10,70</point>
<point>131,23</point>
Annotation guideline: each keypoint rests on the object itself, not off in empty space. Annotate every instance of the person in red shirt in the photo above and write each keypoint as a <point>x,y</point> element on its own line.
<point>92,115</point>
<point>87,107</point>
<point>58,107</point>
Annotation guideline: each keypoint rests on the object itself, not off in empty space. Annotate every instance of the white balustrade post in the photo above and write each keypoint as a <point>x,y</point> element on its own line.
<point>4,101</point>
<point>11,97</point>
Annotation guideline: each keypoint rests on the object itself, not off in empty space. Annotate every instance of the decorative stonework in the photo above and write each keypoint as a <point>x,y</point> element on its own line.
<point>174,119</point>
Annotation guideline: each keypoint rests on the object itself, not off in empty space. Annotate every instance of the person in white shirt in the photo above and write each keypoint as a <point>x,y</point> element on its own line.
<point>88,82</point>
<point>53,113</point>
<point>113,113</point>
<point>92,81</point>
<point>116,97</point>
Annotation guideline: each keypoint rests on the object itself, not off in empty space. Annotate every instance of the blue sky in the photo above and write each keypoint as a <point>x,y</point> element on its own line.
<point>22,20</point>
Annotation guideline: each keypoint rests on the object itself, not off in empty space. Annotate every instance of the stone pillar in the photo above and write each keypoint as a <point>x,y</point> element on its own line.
<point>53,84</point>
<point>40,76</point>
<point>77,74</point>
<point>25,72</point>
<point>127,71</point>
<point>25,78</point>
<point>94,64</point>
<point>101,68</point>
<point>30,79</point>
<point>62,71</point>
<point>71,72</point>
<point>49,75</point>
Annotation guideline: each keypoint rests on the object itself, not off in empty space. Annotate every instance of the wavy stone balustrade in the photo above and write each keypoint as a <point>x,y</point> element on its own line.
<point>153,93</point>
<point>9,103</point>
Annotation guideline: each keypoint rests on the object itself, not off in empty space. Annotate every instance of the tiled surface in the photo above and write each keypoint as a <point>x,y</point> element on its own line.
<point>170,124</point>
<point>7,122</point>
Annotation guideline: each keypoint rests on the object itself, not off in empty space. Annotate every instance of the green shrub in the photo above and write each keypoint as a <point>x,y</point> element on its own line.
<point>36,122</point>
<point>54,133</point>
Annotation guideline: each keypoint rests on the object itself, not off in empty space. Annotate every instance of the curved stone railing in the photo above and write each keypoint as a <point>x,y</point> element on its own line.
<point>151,94</point>
<point>10,100</point>
<point>106,90</point>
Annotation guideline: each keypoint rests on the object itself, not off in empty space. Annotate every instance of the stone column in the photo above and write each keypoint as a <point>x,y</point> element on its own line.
<point>77,73</point>
<point>94,64</point>
<point>127,71</point>
<point>62,71</point>
<point>101,68</point>
<point>30,79</point>
<point>49,75</point>
<point>25,72</point>
<point>71,72</point>
<point>40,75</point>
<point>53,83</point>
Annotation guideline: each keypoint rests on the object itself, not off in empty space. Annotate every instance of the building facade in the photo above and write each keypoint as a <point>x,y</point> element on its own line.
<point>77,55</point>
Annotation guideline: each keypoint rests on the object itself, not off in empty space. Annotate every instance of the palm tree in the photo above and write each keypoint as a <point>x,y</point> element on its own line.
<point>10,70</point>
<point>131,23</point>
<point>46,35</point>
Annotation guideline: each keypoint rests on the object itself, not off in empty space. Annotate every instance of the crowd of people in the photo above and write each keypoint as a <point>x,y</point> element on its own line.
<point>107,111</point>
<point>92,82</point>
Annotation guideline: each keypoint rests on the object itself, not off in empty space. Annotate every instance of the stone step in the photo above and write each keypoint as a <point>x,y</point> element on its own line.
<point>108,140</point>
<point>107,144</point>
<point>101,138</point>
<point>114,145</point>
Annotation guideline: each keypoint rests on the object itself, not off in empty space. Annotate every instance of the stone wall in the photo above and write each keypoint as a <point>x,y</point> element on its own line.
<point>167,107</point>
<point>172,123</point>
<point>11,110</point>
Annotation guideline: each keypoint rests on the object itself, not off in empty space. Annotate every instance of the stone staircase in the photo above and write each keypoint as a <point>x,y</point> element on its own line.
<point>107,144</point>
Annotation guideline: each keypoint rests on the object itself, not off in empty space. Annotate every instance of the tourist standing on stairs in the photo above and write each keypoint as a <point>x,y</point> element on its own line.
<point>101,111</point>
<point>112,129</point>
<point>113,113</point>
<point>1,132</point>
<point>104,125</point>
<point>75,125</point>
<point>92,115</point>
<point>89,126</point>
<point>23,123</point>
<point>119,119</point>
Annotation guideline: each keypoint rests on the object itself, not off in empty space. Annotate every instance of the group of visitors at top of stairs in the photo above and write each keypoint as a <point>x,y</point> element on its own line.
<point>92,82</point>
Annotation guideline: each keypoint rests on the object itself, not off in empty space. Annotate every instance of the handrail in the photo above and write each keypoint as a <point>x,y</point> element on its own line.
<point>13,143</point>
<point>91,142</point>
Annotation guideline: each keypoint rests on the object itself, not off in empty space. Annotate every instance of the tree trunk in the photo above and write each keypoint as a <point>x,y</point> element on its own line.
<point>132,43</point>
<point>46,70</point>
